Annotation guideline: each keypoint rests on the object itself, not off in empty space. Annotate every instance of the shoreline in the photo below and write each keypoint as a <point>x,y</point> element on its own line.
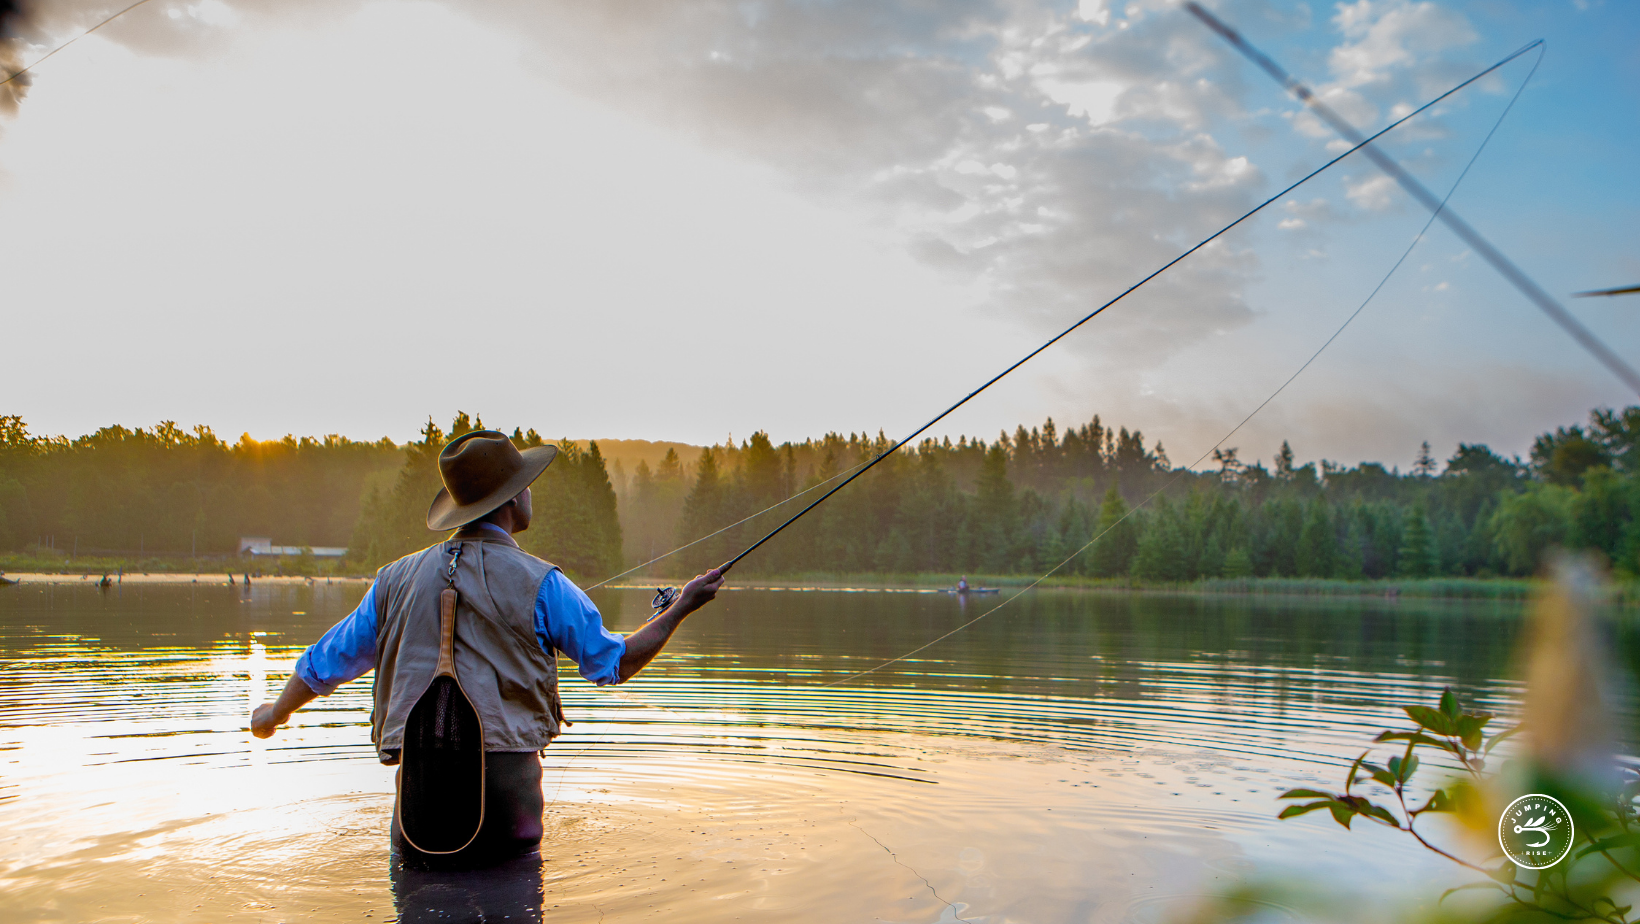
<point>93,578</point>
<point>1622,594</point>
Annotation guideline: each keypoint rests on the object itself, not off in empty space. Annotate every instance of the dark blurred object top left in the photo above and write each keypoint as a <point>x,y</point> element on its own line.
<point>13,16</point>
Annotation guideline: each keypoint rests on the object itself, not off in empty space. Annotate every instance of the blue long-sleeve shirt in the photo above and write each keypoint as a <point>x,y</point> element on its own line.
<point>566,620</point>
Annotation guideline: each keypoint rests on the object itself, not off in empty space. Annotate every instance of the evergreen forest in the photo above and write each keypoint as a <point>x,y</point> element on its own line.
<point>1020,504</point>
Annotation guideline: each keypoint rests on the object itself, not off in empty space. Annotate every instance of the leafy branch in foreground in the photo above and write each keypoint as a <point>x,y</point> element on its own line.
<point>1581,887</point>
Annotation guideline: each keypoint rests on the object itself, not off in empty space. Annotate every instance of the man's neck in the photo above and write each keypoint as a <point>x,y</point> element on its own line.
<point>483,529</point>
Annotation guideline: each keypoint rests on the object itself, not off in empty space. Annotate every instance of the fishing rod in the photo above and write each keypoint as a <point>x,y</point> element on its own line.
<point>1422,232</point>
<point>1524,283</point>
<point>1359,144</point>
<point>665,555</point>
<point>1623,290</point>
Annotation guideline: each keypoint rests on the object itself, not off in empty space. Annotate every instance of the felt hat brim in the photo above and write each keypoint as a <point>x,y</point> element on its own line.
<point>445,513</point>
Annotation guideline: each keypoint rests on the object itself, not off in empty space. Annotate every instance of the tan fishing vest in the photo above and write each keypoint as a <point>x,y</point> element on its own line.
<point>512,683</point>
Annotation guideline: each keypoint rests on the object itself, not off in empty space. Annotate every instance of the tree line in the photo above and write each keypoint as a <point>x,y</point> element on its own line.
<point>130,492</point>
<point>1027,502</point>
<point>1020,504</point>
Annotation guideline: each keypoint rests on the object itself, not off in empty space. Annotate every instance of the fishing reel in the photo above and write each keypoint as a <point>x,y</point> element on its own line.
<point>664,597</point>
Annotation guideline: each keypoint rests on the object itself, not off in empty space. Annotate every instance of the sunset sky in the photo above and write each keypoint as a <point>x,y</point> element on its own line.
<point>687,220</point>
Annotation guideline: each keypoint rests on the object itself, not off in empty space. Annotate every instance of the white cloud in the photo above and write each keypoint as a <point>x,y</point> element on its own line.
<point>1374,193</point>
<point>1094,11</point>
<point>1094,100</point>
<point>1382,35</point>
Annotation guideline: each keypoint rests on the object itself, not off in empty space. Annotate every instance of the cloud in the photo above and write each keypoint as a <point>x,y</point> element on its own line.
<point>1053,151</point>
<point>1043,154</point>
<point>1094,100</point>
<point>1374,192</point>
<point>1384,35</point>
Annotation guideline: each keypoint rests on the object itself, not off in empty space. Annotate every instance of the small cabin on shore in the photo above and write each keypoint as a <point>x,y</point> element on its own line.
<point>263,547</point>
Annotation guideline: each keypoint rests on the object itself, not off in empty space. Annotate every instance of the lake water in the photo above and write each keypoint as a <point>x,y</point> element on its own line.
<point>1074,757</point>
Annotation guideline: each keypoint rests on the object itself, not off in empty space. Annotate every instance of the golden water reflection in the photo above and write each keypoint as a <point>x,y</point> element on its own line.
<point>1086,757</point>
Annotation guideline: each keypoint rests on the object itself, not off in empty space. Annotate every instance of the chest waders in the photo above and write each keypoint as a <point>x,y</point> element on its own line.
<point>441,781</point>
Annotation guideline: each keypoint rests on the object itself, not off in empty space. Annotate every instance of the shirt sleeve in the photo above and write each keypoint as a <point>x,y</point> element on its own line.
<point>566,620</point>
<point>345,652</point>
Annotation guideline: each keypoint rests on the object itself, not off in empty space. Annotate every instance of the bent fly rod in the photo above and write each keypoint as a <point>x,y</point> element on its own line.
<point>1524,283</point>
<point>1358,143</point>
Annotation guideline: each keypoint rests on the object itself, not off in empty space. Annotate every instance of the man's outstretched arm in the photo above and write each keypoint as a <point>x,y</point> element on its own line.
<point>345,652</point>
<point>643,645</point>
<point>270,716</point>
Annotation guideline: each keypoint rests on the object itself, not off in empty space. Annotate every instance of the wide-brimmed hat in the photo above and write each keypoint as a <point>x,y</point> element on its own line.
<point>481,471</point>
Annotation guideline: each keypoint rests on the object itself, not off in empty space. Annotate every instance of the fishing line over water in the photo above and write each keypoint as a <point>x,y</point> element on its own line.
<point>781,503</point>
<point>1435,213</point>
<point>867,466</point>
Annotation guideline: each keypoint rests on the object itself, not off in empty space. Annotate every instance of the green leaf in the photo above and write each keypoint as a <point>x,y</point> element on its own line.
<point>1293,811</point>
<point>1434,720</point>
<point>1469,729</point>
<point>1401,767</point>
<point>1439,802</point>
<point>1349,779</point>
<point>1375,811</point>
<point>1387,777</point>
<point>1416,738</point>
<point>1305,794</point>
<point>1631,839</point>
<point>1505,873</point>
<point>1342,813</point>
<point>1465,888</point>
<point>1449,704</point>
<point>1500,737</point>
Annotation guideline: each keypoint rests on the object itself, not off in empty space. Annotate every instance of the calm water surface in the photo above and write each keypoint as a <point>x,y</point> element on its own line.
<point>1076,757</point>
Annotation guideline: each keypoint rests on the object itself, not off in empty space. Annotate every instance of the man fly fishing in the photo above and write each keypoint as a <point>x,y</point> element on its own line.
<point>473,621</point>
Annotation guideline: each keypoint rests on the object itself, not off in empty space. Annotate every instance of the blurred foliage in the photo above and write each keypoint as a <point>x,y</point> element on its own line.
<point>1596,882</point>
<point>1566,746</point>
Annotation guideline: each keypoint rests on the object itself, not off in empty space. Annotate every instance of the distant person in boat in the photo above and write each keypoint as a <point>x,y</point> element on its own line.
<point>962,584</point>
<point>515,614</point>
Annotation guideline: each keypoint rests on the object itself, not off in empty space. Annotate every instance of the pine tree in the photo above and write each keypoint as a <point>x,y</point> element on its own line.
<point>1417,558</point>
<point>1424,465</point>
<point>1112,553</point>
<point>1160,555</point>
<point>1237,564</point>
<point>576,524</point>
<point>702,514</point>
<point>997,510</point>
<point>1286,524</point>
<point>1284,462</point>
<point>1318,543</point>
